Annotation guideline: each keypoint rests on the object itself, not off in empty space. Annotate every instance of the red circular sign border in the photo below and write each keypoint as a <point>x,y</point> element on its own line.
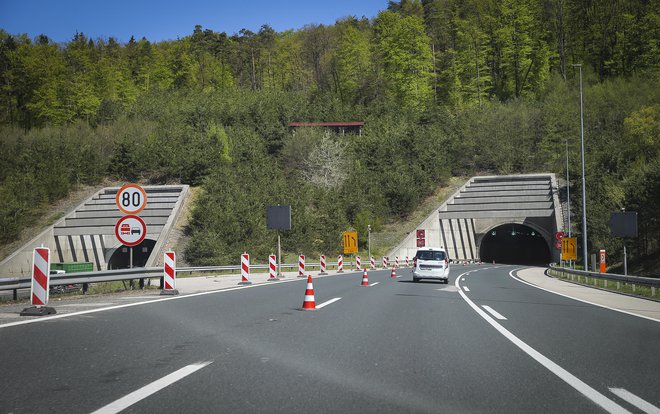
<point>144,233</point>
<point>144,194</point>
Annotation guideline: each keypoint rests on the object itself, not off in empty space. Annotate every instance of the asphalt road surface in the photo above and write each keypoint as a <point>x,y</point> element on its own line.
<point>485,342</point>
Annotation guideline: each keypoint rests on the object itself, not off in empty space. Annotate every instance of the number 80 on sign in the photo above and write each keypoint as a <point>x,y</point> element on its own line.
<point>131,199</point>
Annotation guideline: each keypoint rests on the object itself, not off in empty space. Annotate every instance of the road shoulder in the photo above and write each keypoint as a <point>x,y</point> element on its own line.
<point>635,306</point>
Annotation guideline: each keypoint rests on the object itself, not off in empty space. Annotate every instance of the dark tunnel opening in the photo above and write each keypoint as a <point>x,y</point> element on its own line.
<point>121,257</point>
<point>514,244</point>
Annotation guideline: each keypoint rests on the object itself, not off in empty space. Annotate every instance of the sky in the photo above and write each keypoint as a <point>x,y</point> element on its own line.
<point>169,20</point>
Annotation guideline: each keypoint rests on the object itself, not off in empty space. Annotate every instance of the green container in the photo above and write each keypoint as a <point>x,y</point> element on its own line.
<point>73,267</point>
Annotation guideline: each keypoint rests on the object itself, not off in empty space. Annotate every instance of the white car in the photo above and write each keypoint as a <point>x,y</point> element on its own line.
<point>431,263</point>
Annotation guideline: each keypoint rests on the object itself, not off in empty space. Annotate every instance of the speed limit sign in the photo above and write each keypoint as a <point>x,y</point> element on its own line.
<point>131,199</point>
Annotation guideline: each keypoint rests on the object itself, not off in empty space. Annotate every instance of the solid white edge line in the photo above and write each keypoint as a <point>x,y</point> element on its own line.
<point>643,405</point>
<point>149,389</point>
<point>580,300</point>
<point>327,303</point>
<point>465,288</point>
<point>128,305</point>
<point>494,312</point>
<point>595,396</point>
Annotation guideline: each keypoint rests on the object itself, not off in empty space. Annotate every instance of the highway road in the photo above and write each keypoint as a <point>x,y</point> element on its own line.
<point>485,342</point>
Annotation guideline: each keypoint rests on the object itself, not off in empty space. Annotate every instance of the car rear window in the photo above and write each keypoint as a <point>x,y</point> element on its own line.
<point>430,255</point>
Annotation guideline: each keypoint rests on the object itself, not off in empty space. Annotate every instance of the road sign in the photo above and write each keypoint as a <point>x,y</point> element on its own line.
<point>421,238</point>
<point>603,263</point>
<point>130,230</point>
<point>350,242</point>
<point>131,199</point>
<point>559,235</point>
<point>569,248</point>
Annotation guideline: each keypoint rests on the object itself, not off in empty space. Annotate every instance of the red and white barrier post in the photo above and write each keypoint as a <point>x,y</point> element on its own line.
<point>358,264</point>
<point>323,266</point>
<point>372,262</point>
<point>396,261</point>
<point>245,269</point>
<point>340,264</point>
<point>272,268</point>
<point>40,284</point>
<point>384,262</point>
<point>169,274</point>
<point>301,266</point>
<point>407,261</point>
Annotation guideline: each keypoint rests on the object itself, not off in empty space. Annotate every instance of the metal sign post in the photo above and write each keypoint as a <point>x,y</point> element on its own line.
<point>278,218</point>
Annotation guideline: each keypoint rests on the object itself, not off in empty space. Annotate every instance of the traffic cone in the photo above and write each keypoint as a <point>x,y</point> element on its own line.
<point>309,303</point>
<point>393,271</point>
<point>493,261</point>
<point>365,278</point>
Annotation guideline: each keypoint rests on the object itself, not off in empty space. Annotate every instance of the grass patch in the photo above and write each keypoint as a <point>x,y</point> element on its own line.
<point>392,233</point>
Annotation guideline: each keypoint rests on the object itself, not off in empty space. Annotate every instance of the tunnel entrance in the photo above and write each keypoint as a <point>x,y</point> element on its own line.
<point>120,259</point>
<point>514,244</point>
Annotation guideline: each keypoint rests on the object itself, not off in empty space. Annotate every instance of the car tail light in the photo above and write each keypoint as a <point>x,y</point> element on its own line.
<point>414,262</point>
<point>446,262</point>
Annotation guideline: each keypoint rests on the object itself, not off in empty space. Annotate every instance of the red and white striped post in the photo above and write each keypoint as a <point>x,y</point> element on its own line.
<point>301,266</point>
<point>40,284</point>
<point>323,266</point>
<point>396,261</point>
<point>372,263</point>
<point>272,268</point>
<point>358,264</point>
<point>340,264</point>
<point>407,261</point>
<point>169,274</point>
<point>245,269</point>
<point>384,262</point>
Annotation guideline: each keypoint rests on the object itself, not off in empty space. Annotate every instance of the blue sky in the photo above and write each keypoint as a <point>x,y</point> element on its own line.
<point>164,20</point>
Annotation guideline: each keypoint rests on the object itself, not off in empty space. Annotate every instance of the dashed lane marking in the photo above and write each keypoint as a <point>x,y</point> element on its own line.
<point>582,387</point>
<point>147,390</point>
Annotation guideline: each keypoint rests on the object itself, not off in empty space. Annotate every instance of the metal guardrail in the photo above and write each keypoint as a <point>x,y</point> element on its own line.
<point>141,273</point>
<point>636,280</point>
<point>651,282</point>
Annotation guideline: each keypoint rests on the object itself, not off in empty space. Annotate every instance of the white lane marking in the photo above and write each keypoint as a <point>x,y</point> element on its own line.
<point>128,305</point>
<point>396,277</point>
<point>598,398</point>
<point>327,303</point>
<point>643,405</point>
<point>374,284</point>
<point>578,299</point>
<point>463,280</point>
<point>494,312</point>
<point>76,305</point>
<point>465,288</point>
<point>147,390</point>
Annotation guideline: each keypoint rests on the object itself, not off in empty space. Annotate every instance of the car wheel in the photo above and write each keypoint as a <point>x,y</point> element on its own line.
<point>415,280</point>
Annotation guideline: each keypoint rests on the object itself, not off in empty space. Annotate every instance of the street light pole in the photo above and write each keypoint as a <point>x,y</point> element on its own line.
<point>584,193</point>
<point>369,241</point>
<point>568,197</point>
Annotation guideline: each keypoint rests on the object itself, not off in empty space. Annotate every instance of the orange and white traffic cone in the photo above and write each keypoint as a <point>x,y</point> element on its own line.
<point>393,271</point>
<point>365,278</point>
<point>309,303</point>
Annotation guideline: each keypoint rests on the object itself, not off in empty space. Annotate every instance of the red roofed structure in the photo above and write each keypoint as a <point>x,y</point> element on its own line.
<point>341,127</point>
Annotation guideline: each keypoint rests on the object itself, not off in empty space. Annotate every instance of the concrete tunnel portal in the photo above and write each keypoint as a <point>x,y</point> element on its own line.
<point>514,244</point>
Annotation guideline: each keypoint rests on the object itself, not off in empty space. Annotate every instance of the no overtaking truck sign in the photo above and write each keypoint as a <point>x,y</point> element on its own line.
<point>130,230</point>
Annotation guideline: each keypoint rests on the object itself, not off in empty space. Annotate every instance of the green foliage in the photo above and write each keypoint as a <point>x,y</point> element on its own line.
<point>446,87</point>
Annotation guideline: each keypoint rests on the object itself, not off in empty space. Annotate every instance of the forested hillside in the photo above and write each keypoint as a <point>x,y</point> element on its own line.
<point>445,87</point>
